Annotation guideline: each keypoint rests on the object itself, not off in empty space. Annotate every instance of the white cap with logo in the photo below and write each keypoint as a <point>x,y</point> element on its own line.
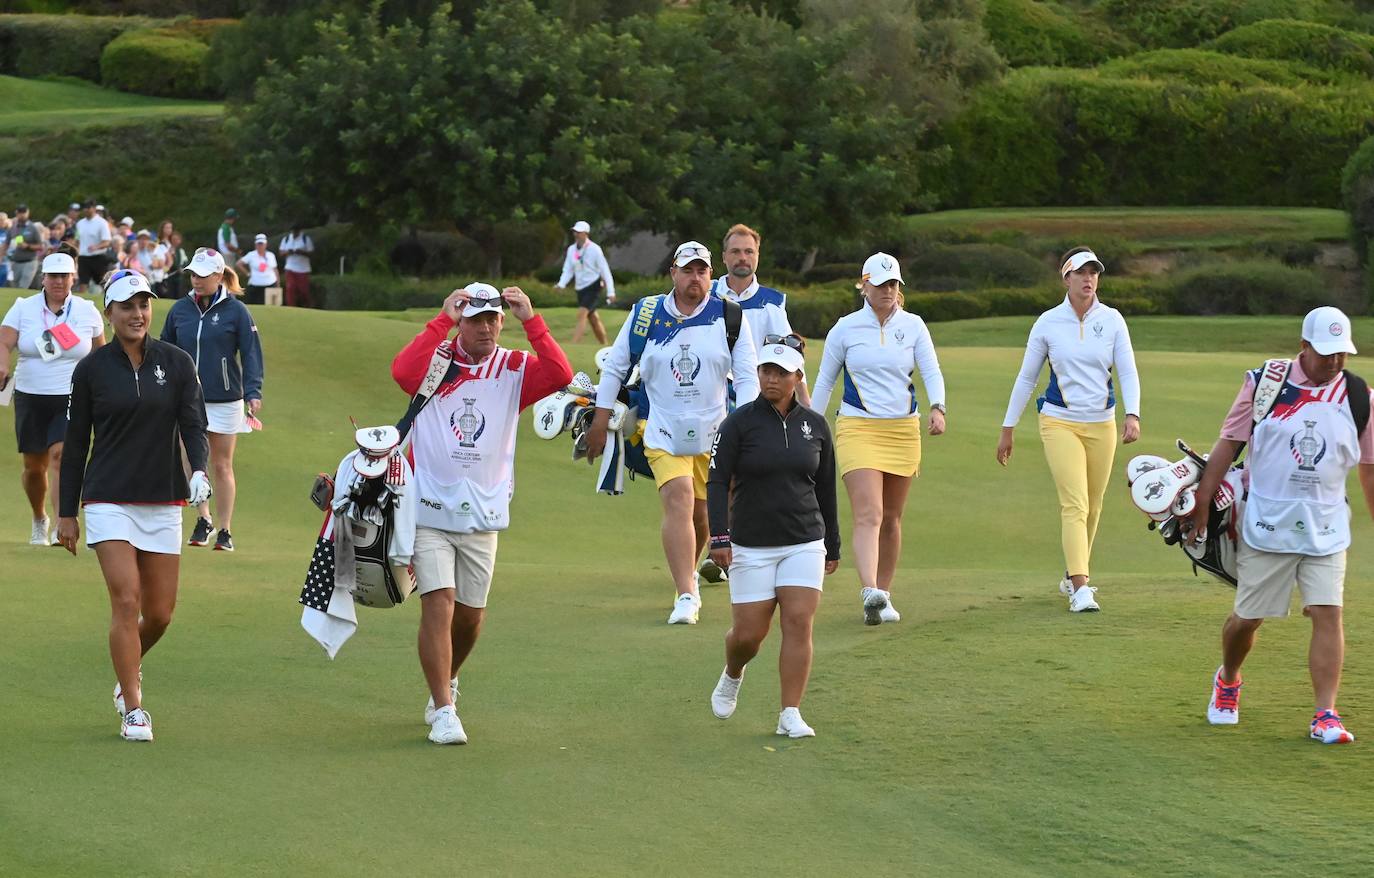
<point>127,221</point>
<point>881,268</point>
<point>691,251</point>
<point>483,297</point>
<point>582,226</point>
<point>125,285</point>
<point>786,356</point>
<point>260,238</point>
<point>206,262</point>
<point>58,263</point>
<point>1327,330</point>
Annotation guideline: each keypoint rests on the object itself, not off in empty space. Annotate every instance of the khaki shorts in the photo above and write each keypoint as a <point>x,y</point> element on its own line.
<point>667,467</point>
<point>462,562</point>
<point>1266,581</point>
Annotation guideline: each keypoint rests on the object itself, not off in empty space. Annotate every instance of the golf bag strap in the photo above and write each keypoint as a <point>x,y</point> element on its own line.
<point>734,318</point>
<point>1272,376</point>
<point>441,366</point>
<point>641,320</point>
<point>1357,394</point>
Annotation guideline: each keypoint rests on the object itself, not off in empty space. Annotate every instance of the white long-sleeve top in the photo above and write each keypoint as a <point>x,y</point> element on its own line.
<point>683,369</point>
<point>875,361</point>
<point>587,266</point>
<point>1081,354</point>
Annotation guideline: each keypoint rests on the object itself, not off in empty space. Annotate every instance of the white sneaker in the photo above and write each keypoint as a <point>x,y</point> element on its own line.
<point>875,600</point>
<point>119,693</point>
<point>430,712</point>
<point>712,573</point>
<point>39,535</point>
<point>685,610</point>
<point>446,728</point>
<point>889,613</point>
<point>137,725</point>
<point>53,540</point>
<point>726,696</point>
<point>1082,601</point>
<point>791,724</point>
<point>1066,586</point>
<point>1223,708</point>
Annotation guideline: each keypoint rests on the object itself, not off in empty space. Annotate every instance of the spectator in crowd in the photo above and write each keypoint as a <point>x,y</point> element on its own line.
<point>226,239</point>
<point>26,245</point>
<point>4,248</point>
<point>148,258</point>
<point>94,243</point>
<point>58,231</point>
<point>118,243</point>
<point>73,214</point>
<point>164,232</point>
<point>175,283</point>
<point>261,265</point>
<point>126,229</point>
<point>297,246</point>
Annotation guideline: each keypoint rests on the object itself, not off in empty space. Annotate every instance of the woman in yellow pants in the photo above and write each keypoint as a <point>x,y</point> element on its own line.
<point>1083,340</point>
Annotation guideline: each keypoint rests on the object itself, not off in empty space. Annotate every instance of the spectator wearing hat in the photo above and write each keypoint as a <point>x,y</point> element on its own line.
<point>586,267</point>
<point>261,265</point>
<point>215,328</point>
<point>94,245</point>
<point>26,246</point>
<point>52,331</point>
<point>73,214</point>
<point>296,247</point>
<point>148,258</point>
<point>126,228</point>
<point>226,239</point>
<point>4,248</point>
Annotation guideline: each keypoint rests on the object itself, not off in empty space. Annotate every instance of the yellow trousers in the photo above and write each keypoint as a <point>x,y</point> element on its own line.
<point>1080,458</point>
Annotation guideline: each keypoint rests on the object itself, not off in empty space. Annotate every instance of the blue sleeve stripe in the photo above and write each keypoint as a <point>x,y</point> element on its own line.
<point>851,392</point>
<point>911,388</point>
<point>1053,395</point>
<point>1111,393</point>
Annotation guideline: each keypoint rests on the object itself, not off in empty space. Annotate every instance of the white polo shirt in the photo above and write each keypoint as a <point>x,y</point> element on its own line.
<point>262,268</point>
<point>30,317</point>
<point>91,231</point>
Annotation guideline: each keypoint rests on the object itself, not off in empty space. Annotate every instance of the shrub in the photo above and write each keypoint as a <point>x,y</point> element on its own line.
<point>1246,287</point>
<point>149,63</point>
<point>938,307</point>
<point>60,45</point>
<point>1182,23</point>
<point>814,311</point>
<point>367,291</point>
<point>979,265</point>
<point>1317,45</point>
<point>834,271</point>
<point>1029,33</point>
<point>1357,196</point>
<point>1205,67</point>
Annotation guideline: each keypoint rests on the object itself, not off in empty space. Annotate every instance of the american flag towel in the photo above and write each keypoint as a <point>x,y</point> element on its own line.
<point>328,615</point>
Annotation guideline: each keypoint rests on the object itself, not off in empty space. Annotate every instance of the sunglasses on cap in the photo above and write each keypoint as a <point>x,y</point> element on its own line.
<point>120,275</point>
<point>208,251</point>
<point>790,340</point>
<point>694,252</point>
<point>484,301</point>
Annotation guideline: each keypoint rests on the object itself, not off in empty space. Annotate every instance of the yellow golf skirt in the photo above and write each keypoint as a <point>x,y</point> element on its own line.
<point>889,445</point>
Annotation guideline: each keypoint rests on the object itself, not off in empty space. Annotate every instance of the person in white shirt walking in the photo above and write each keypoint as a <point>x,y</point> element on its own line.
<point>1083,340</point>
<point>586,266</point>
<point>94,247</point>
<point>878,431</point>
<point>1295,521</point>
<point>261,265</point>
<point>297,246</point>
<point>684,346</point>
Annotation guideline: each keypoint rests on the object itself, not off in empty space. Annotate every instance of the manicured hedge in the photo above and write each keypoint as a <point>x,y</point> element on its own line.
<point>1177,24</point>
<point>149,63</point>
<point>1317,45</point>
<point>1050,137</point>
<point>1247,287</point>
<point>1357,194</point>
<point>977,265</point>
<point>1207,67</point>
<point>1030,33</point>
<point>60,45</point>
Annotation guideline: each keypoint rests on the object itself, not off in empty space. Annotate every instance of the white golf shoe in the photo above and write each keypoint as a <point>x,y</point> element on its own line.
<point>430,712</point>
<point>791,724</point>
<point>711,573</point>
<point>889,613</point>
<point>39,535</point>
<point>447,728</point>
<point>726,695</point>
<point>119,693</point>
<point>1082,601</point>
<point>136,725</point>
<point>1224,707</point>
<point>685,610</point>
<point>1066,586</point>
<point>875,601</point>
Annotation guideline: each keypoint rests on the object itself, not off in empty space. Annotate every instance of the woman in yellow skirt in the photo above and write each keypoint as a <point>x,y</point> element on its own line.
<point>878,433</point>
<point>1083,340</point>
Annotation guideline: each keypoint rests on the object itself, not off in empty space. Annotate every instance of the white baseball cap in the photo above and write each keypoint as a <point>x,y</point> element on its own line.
<point>58,263</point>
<point>881,268</point>
<point>143,233</point>
<point>691,251</point>
<point>787,357</point>
<point>1327,329</point>
<point>127,221</point>
<point>484,297</point>
<point>259,238</point>
<point>125,285</point>
<point>206,262</point>
<point>1078,260</point>
<point>582,226</point>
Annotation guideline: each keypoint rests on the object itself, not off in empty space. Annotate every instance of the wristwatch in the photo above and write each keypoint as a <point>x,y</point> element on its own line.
<point>938,407</point>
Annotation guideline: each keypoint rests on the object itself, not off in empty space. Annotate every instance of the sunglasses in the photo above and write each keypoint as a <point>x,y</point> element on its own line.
<point>484,302</point>
<point>790,340</point>
<point>694,252</point>
<point>207,251</point>
<point>48,347</point>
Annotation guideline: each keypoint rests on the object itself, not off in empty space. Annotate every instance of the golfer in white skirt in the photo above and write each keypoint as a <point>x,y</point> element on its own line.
<point>142,400</point>
<point>770,496</point>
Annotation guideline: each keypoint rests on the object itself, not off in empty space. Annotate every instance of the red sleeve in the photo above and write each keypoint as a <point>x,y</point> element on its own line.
<point>548,368</point>
<point>412,362</point>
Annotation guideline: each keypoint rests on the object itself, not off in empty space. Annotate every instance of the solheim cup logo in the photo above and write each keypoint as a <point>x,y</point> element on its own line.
<point>1336,329</point>
<point>1309,448</point>
<point>469,425</point>
<point>686,366</point>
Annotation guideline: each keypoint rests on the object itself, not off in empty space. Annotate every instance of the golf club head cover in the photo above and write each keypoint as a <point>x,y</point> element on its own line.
<point>1231,487</point>
<point>549,414</point>
<point>1185,502</point>
<point>1141,464</point>
<point>582,385</point>
<point>618,413</point>
<point>1156,491</point>
<point>603,357</point>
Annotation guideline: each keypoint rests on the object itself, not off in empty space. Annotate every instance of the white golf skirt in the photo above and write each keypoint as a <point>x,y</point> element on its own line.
<point>152,527</point>
<point>756,573</point>
<point>226,417</point>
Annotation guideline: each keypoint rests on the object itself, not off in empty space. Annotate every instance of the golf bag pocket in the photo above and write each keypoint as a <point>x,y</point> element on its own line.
<point>377,582</point>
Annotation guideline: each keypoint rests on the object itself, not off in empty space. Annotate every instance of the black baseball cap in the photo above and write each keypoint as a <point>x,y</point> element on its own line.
<point>21,208</point>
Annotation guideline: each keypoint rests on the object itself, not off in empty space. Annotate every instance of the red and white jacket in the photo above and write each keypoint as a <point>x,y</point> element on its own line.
<point>463,441</point>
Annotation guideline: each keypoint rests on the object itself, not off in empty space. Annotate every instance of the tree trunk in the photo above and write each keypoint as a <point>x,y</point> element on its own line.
<point>809,260</point>
<point>493,254</point>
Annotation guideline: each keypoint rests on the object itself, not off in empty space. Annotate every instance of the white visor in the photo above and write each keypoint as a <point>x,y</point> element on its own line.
<point>788,358</point>
<point>1078,260</point>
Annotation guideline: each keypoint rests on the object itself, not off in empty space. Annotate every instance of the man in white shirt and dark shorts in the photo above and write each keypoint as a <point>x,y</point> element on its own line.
<point>586,266</point>
<point>93,247</point>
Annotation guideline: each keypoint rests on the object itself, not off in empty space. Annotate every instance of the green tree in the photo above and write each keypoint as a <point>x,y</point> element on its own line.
<point>517,120</point>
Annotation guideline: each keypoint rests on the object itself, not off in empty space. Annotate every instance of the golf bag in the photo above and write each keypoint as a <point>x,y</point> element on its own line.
<point>1167,493</point>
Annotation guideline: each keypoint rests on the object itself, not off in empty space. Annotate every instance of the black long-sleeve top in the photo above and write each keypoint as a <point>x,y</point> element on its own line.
<point>141,418</point>
<point>783,475</point>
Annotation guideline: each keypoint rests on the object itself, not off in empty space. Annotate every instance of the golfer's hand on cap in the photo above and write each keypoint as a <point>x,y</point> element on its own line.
<point>520,304</point>
<point>68,532</point>
<point>596,434</point>
<point>455,303</point>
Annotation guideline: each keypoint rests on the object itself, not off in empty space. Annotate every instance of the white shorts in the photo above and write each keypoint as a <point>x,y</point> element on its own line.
<point>756,573</point>
<point>1267,578</point>
<point>225,417</point>
<point>462,562</point>
<point>150,527</point>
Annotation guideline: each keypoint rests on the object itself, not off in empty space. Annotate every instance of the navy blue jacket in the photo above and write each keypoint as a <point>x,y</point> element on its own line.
<point>218,340</point>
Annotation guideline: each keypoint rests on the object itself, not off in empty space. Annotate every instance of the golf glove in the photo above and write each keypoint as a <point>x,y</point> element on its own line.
<point>200,489</point>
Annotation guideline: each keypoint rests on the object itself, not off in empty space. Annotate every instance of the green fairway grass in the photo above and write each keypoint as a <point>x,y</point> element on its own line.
<point>1150,227</point>
<point>988,733</point>
<point>31,105</point>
